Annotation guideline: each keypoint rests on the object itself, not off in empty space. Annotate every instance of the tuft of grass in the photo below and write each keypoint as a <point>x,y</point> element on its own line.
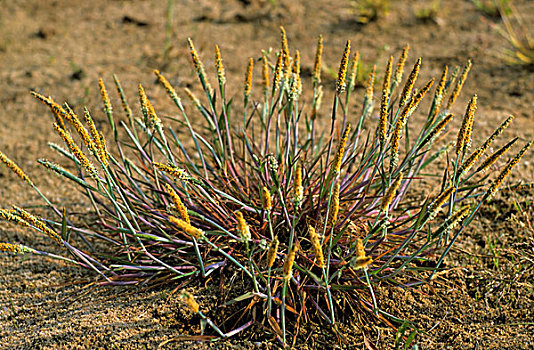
<point>491,8</point>
<point>371,10</point>
<point>429,13</point>
<point>304,222</point>
<point>519,36</point>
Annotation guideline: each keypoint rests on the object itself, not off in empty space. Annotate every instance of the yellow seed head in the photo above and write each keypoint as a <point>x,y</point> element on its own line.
<point>397,131</point>
<point>342,74</point>
<point>219,66</point>
<point>242,227</point>
<point>283,39</point>
<point>266,202</point>
<point>437,129</point>
<point>334,207</point>
<point>76,151</point>
<point>125,105</point>
<point>178,204</point>
<point>507,170</point>
<point>493,158</point>
<point>57,110</point>
<point>382,124</point>
<point>248,77</point>
<point>464,135</point>
<point>92,127</point>
<point>438,95</point>
<point>419,95</point>
<point>317,63</point>
<point>199,67</point>
<point>469,162</point>
<point>298,194</point>
<point>11,248</point>
<point>73,119</point>
<point>148,110</point>
<point>435,207</point>
<point>153,118</point>
<point>480,151</point>
<point>170,89</point>
<point>296,71</point>
<point>265,72</point>
<point>456,218</point>
<point>271,253</point>
<point>287,71</point>
<point>498,131</point>
<point>15,168</point>
<point>99,148</point>
<point>295,68</point>
<point>143,100</point>
<point>400,65</point>
<point>46,100</point>
<point>360,249</point>
<point>193,98</point>
<point>104,95</point>
<point>37,223</point>
<point>459,85</point>
<point>104,147</point>
<point>390,193</point>
<point>341,150</point>
<point>286,57</point>
<point>294,87</point>
<point>190,301</point>
<point>353,70</point>
<point>316,245</point>
<point>362,261</point>
<point>407,91</point>
<point>10,215</point>
<point>177,173</point>
<point>288,263</point>
<point>189,229</point>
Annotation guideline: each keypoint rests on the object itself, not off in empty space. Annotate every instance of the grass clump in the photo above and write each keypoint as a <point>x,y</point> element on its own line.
<point>307,222</point>
<point>519,36</point>
<point>370,10</point>
<point>429,12</point>
<point>491,8</point>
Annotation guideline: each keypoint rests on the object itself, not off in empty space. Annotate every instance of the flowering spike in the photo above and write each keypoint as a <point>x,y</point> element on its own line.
<point>507,170</point>
<point>341,150</point>
<point>317,62</point>
<point>271,253</point>
<point>459,85</point>
<point>342,73</point>
<point>15,168</point>
<point>248,78</point>
<point>464,135</point>
<point>189,229</point>
<point>316,245</point>
<point>289,262</point>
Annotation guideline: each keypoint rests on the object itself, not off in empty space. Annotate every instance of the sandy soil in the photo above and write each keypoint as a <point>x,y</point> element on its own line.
<point>62,47</point>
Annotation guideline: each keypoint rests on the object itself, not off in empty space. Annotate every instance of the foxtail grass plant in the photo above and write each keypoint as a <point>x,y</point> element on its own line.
<point>306,221</point>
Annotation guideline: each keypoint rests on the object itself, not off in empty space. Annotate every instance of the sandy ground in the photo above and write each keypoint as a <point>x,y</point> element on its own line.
<point>62,47</point>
